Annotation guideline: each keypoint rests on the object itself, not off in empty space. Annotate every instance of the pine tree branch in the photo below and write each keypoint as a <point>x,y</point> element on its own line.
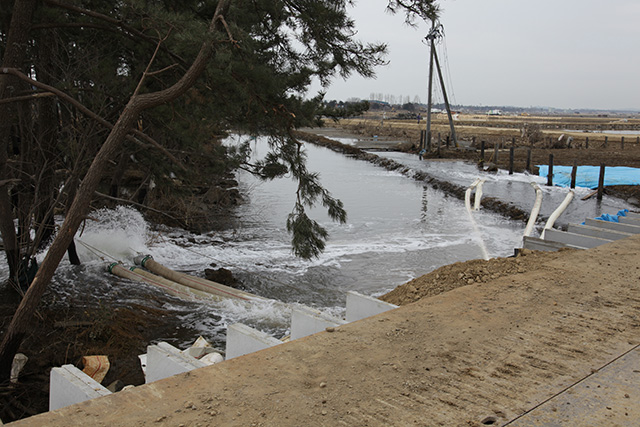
<point>128,30</point>
<point>62,95</point>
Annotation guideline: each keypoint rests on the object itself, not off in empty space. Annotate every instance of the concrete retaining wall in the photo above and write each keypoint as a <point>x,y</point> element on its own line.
<point>69,385</point>
<point>306,321</point>
<point>361,306</point>
<point>164,360</point>
<point>242,340</point>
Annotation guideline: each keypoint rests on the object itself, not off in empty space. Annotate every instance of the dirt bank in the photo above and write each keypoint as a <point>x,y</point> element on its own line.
<point>485,353</point>
<point>389,351</point>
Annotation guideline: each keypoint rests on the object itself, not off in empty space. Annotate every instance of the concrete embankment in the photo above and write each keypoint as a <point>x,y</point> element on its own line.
<point>557,345</point>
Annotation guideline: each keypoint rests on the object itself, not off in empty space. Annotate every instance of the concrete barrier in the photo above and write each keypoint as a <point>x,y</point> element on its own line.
<point>69,385</point>
<point>601,233</point>
<point>242,340</point>
<point>537,244</point>
<point>164,360</point>
<point>361,306</point>
<point>572,239</point>
<point>617,226</point>
<point>306,321</point>
<point>632,220</point>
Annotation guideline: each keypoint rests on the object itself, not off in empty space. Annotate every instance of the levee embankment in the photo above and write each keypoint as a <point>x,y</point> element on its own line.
<point>489,353</point>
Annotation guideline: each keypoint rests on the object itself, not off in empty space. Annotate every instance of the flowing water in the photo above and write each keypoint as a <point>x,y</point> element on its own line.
<point>397,229</point>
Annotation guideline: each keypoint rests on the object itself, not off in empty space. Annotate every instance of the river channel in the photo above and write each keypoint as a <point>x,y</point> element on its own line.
<point>397,229</point>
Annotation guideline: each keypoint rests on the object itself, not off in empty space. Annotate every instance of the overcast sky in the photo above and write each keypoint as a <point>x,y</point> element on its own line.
<point>555,53</point>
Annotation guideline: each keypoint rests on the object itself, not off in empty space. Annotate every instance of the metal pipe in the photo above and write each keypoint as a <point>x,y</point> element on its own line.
<point>194,282</point>
<point>176,289</point>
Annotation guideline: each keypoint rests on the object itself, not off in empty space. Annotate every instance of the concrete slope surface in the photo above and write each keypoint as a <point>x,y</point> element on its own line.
<point>532,344</point>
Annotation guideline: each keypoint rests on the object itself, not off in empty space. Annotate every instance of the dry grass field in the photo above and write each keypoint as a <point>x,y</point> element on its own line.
<point>503,129</point>
<point>542,135</point>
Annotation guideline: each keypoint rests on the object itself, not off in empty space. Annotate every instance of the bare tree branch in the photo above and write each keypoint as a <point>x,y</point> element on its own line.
<point>26,97</point>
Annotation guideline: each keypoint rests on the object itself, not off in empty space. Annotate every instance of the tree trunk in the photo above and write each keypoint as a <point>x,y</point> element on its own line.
<point>16,46</point>
<point>80,206</point>
<point>47,155</point>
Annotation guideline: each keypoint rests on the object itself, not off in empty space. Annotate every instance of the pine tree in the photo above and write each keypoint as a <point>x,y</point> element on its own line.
<point>84,82</point>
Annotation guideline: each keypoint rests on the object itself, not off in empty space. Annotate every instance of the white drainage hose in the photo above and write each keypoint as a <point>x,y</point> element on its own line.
<point>467,203</point>
<point>556,214</point>
<point>534,211</point>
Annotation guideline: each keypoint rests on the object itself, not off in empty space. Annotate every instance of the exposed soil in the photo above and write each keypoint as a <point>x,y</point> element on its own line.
<point>478,271</point>
<point>489,352</point>
<point>63,336</point>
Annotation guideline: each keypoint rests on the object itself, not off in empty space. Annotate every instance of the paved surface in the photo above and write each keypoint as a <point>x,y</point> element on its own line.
<point>608,397</point>
<point>554,346</point>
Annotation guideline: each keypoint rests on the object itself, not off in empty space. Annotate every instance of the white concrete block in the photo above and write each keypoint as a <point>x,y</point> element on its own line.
<point>361,306</point>
<point>69,385</point>
<point>306,321</point>
<point>242,340</point>
<point>164,360</point>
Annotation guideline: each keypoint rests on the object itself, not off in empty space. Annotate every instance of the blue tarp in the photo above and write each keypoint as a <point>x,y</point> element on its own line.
<point>612,218</point>
<point>587,176</point>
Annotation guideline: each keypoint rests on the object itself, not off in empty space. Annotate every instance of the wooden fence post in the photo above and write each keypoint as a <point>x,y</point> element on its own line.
<point>586,143</point>
<point>574,173</point>
<point>601,182</point>
<point>528,166</point>
<point>496,147</point>
<point>550,174</point>
<point>511,153</point>
<point>481,164</point>
<point>622,143</point>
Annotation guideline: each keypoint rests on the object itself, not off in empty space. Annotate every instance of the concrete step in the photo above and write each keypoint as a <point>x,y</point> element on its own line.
<point>629,220</point>
<point>538,244</point>
<point>573,239</point>
<point>617,226</point>
<point>601,233</point>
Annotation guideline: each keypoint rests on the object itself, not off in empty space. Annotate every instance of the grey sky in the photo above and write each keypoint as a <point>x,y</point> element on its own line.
<point>555,53</point>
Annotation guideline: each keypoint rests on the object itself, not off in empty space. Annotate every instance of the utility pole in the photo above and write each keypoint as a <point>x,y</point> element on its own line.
<point>429,98</point>
<point>446,100</point>
<point>431,37</point>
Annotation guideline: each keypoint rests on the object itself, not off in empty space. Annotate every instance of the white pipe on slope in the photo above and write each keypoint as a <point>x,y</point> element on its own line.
<point>554,216</point>
<point>467,194</point>
<point>534,211</point>
<point>467,203</point>
<point>478,198</point>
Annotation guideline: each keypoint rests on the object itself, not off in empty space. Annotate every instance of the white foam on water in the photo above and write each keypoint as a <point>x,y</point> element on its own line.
<point>114,234</point>
<point>397,230</point>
